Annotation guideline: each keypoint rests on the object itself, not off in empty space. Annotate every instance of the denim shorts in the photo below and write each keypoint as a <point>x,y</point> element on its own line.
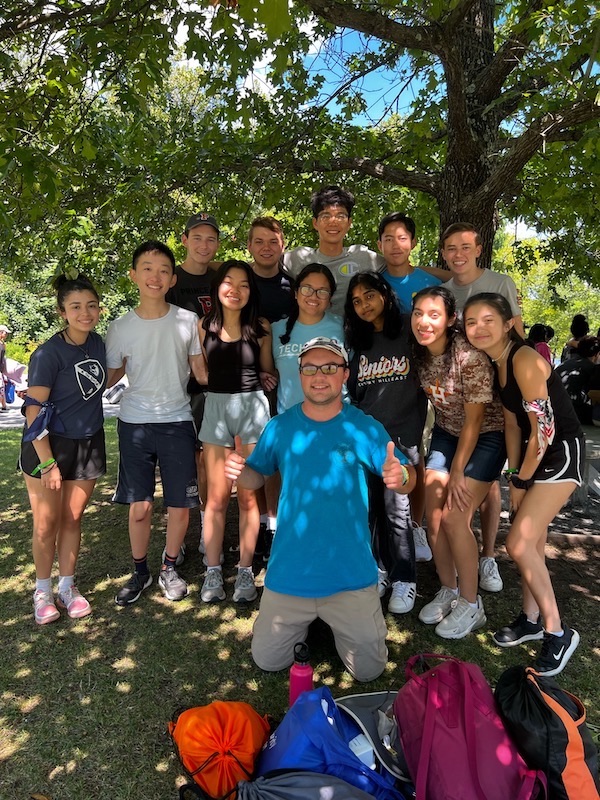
<point>487,459</point>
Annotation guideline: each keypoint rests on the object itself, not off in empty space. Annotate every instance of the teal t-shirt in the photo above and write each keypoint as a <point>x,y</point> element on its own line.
<point>323,543</point>
<point>407,286</point>
<point>289,389</point>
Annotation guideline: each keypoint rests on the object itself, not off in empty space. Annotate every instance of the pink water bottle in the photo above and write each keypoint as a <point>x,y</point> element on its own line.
<point>301,672</point>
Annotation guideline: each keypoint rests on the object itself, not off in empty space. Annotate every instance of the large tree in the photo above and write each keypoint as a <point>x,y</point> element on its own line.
<point>504,115</point>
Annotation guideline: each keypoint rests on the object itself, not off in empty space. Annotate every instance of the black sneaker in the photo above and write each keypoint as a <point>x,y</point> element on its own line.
<point>556,651</point>
<point>172,584</point>
<point>519,631</point>
<point>133,589</point>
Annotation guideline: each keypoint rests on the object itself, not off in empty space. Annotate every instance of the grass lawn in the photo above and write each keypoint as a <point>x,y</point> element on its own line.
<point>85,703</point>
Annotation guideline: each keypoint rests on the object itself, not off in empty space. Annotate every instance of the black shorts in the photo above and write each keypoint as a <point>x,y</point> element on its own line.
<point>77,459</point>
<point>562,462</point>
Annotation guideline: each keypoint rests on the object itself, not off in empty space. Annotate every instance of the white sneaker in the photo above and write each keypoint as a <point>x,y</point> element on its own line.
<point>489,576</point>
<point>439,607</point>
<point>244,590</point>
<point>422,549</point>
<point>403,597</point>
<point>212,588</point>
<point>180,556</point>
<point>462,620</point>
<point>382,582</point>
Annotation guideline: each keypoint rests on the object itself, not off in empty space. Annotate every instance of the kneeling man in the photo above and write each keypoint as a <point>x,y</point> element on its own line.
<point>321,564</point>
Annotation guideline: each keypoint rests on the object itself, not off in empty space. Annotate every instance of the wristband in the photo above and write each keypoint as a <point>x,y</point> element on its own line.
<point>520,483</point>
<point>405,475</point>
<point>49,469</point>
<point>50,463</point>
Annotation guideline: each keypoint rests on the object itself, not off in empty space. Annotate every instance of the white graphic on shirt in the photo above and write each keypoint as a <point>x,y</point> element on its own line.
<point>90,377</point>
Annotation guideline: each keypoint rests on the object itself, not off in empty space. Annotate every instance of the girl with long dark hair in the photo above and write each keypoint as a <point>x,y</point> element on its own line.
<point>237,346</point>
<point>309,317</point>
<point>384,384</point>
<point>545,447</point>
<point>63,451</point>
<point>466,455</point>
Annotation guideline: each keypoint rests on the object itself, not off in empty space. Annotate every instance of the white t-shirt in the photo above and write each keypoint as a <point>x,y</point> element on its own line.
<point>157,367</point>
<point>353,259</point>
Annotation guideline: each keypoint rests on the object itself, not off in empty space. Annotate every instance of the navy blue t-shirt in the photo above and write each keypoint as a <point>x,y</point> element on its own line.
<point>76,382</point>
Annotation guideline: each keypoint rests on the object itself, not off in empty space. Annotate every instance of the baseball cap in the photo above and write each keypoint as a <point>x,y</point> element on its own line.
<point>324,343</point>
<point>4,328</point>
<point>201,218</point>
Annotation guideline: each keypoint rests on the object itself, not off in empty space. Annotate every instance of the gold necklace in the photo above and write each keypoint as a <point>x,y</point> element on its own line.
<point>503,353</point>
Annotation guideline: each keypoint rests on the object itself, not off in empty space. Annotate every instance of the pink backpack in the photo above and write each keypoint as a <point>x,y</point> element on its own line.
<point>454,742</point>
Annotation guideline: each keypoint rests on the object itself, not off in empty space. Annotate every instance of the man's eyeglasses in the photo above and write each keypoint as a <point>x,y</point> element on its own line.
<point>308,291</point>
<point>327,217</point>
<point>327,369</point>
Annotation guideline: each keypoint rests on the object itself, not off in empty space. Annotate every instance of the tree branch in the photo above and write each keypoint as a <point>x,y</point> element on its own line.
<point>508,57</point>
<point>549,127</point>
<point>372,23</point>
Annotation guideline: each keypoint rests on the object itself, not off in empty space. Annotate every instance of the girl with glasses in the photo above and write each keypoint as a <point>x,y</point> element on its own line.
<point>310,317</point>
<point>384,384</point>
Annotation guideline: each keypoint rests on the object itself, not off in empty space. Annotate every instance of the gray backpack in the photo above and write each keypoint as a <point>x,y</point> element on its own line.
<point>299,785</point>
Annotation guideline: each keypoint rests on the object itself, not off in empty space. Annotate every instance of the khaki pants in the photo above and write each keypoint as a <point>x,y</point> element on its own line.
<point>354,617</point>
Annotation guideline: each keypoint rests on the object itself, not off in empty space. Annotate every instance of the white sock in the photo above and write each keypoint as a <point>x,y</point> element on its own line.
<point>65,582</point>
<point>558,634</point>
<point>43,585</point>
<point>454,591</point>
<point>473,605</point>
<point>208,569</point>
<point>271,523</point>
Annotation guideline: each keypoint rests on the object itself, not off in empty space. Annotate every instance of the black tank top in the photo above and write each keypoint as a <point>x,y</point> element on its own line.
<point>232,366</point>
<point>565,419</point>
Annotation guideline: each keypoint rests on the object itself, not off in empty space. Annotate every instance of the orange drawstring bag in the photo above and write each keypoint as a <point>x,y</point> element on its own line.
<point>218,744</point>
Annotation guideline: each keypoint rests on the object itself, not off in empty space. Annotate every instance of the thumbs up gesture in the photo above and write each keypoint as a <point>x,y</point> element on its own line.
<point>396,476</point>
<point>235,461</point>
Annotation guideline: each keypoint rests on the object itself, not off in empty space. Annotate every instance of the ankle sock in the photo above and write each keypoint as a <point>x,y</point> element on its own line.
<point>44,585</point>
<point>558,634</point>
<point>65,582</point>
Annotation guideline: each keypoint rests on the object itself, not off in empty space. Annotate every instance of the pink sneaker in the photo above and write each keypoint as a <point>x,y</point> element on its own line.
<point>75,603</point>
<point>43,607</point>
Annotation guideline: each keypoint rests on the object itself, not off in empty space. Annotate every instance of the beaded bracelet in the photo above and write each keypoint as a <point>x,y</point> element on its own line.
<point>50,463</point>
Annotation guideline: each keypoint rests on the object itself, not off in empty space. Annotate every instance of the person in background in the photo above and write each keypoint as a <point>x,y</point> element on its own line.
<point>537,339</point>
<point>63,451</point>
<point>4,331</point>
<point>383,383</point>
<point>579,328</point>
<point>545,447</point>
<point>577,375</point>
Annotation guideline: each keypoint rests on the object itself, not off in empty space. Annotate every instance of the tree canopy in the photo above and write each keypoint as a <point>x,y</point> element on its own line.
<point>109,132</point>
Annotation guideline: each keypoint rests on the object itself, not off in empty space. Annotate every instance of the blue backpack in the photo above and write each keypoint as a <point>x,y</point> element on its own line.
<point>314,735</point>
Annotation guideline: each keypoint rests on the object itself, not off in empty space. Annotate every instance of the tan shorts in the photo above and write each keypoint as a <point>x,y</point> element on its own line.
<point>355,618</point>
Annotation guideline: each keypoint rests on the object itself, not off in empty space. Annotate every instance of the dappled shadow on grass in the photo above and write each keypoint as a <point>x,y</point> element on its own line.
<point>85,703</point>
